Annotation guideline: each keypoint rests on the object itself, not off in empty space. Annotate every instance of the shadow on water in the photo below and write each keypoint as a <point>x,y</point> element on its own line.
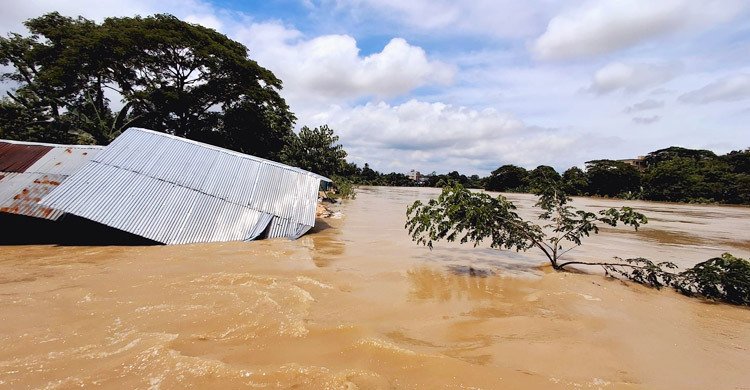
<point>320,225</point>
<point>484,262</point>
<point>69,230</point>
<point>327,247</point>
<point>470,271</point>
<point>433,284</point>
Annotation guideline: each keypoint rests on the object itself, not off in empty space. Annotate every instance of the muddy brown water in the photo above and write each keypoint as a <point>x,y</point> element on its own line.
<point>355,304</point>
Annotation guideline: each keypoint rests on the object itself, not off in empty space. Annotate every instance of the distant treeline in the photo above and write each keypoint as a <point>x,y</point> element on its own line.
<point>370,177</point>
<point>673,174</point>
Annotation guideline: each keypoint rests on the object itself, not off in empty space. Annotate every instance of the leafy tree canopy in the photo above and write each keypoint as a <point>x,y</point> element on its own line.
<point>660,155</point>
<point>508,178</point>
<point>459,214</point>
<point>171,76</point>
<point>541,177</point>
<point>738,160</point>
<point>316,150</point>
<point>612,178</point>
<point>575,181</point>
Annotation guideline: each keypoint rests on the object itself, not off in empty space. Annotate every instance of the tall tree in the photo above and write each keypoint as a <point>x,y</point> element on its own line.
<point>316,150</point>
<point>575,181</point>
<point>508,178</point>
<point>671,152</point>
<point>541,177</point>
<point>738,160</point>
<point>684,179</point>
<point>191,81</point>
<point>170,75</point>
<point>369,175</point>
<point>612,178</point>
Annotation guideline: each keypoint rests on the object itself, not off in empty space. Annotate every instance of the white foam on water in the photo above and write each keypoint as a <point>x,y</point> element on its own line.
<point>308,280</point>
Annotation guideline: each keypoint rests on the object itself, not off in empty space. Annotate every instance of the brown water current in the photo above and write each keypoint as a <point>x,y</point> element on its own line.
<point>356,304</point>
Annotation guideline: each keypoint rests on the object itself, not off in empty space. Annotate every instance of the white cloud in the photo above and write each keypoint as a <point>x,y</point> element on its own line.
<point>649,104</point>
<point>15,13</point>
<point>646,120</point>
<point>427,136</point>
<point>726,89</point>
<point>496,18</point>
<point>205,20</point>
<point>599,27</point>
<point>331,67</point>
<point>631,77</point>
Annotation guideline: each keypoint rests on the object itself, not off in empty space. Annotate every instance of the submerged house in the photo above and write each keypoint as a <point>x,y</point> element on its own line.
<point>30,170</point>
<point>174,191</point>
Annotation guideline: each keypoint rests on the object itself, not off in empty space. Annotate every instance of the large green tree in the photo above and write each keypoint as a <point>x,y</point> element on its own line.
<point>738,160</point>
<point>671,152</point>
<point>541,177</point>
<point>695,175</point>
<point>612,178</point>
<point>168,75</point>
<point>508,178</point>
<point>575,181</point>
<point>316,150</point>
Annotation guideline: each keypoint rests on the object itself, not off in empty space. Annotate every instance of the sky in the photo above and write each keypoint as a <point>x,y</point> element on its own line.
<point>443,85</point>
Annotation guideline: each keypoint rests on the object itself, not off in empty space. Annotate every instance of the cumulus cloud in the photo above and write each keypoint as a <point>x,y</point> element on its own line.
<point>195,11</point>
<point>497,18</point>
<point>424,135</point>
<point>649,104</point>
<point>631,77</point>
<point>206,20</point>
<point>726,89</point>
<point>331,66</point>
<point>646,120</point>
<point>601,27</point>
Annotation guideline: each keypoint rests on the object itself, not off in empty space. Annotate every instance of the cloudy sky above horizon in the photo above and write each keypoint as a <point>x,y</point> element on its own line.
<point>446,85</point>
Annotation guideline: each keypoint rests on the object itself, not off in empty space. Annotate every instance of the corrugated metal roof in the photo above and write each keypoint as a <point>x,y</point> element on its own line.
<point>173,190</point>
<point>16,157</point>
<point>29,171</point>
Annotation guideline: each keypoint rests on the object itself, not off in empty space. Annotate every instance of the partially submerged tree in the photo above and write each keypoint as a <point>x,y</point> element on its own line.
<point>461,215</point>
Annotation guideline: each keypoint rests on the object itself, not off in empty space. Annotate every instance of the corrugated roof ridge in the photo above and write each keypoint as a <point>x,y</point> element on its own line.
<point>11,141</point>
<point>230,152</point>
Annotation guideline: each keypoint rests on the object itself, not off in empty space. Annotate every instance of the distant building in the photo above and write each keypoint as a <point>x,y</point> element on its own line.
<point>414,175</point>
<point>639,162</point>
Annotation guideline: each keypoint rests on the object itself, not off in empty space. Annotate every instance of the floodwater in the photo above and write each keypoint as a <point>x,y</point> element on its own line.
<point>355,304</point>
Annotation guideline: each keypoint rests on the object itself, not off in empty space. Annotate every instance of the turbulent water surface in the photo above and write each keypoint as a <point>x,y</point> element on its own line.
<point>355,304</point>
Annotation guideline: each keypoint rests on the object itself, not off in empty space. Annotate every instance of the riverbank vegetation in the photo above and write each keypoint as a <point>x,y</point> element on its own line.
<point>673,174</point>
<point>474,217</point>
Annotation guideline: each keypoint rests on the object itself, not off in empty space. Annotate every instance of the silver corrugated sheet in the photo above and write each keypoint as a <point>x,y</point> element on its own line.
<point>175,191</point>
<point>42,172</point>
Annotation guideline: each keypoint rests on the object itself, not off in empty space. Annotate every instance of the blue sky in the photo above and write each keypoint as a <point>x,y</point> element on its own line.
<point>448,85</point>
